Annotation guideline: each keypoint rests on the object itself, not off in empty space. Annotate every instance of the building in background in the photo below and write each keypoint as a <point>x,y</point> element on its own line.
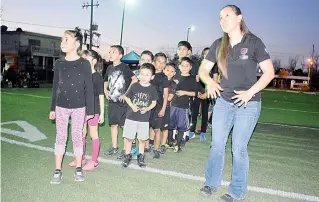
<point>31,50</point>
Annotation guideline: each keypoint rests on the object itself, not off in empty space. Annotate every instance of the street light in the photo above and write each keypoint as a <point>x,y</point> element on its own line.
<point>310,63</point>
<point>190,28</point>
<point>123,14</point>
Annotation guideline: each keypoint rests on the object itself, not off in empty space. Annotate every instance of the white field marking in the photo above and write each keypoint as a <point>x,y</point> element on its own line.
<point>310,93</point>
<point>290,126</point>
<point>273,192</point>
<point>294,110</point>
<point>29,132</point>
<point>30,95</point>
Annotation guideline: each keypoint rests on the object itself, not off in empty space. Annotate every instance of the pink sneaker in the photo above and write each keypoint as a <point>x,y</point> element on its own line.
<point>91,165</point>
<point>73,163</point>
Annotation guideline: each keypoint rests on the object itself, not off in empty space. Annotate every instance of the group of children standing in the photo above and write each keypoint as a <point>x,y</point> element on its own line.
<point>156,99</point>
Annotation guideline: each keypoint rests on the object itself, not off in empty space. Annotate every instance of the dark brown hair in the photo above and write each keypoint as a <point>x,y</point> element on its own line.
<point>99,61</point>
<point>223,47</point>
<point>78,37</point>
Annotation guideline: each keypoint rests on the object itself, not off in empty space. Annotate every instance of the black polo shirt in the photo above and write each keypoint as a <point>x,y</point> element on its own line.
<point>242,62</point>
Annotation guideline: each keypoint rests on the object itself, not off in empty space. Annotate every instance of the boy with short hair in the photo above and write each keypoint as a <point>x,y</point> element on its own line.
<point>169,71</point>
<point>184,49</point>
<point>146,57</point>
<point>118,78</point>
<point>157,120</point>
<point>141,98</point>
<point>186,89</point>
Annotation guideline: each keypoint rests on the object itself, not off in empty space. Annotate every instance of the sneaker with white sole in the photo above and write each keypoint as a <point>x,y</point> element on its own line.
<point>111,151</point>
<point>229,198</point>
<point>202,137</point>
<point>57,177</point>
<point>207,191</point>
<point>191,135</point>
<point>91,165</point>
<point>79,174</point>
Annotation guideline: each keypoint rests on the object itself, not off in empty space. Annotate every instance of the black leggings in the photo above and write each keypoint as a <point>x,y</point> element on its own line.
<point>195,108</point>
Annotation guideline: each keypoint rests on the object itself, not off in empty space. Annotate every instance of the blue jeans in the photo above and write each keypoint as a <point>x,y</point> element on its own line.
<point>225,116</point>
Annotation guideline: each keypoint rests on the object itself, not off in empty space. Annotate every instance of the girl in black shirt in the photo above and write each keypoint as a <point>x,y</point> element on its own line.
<point>96,66</point>
<point>72,95</point>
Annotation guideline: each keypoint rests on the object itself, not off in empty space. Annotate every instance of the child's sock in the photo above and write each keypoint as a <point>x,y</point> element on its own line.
<point>151,142</point>
<point>84,147</point>
<point>180,135</point>
<point>95,149</point>
<point>170,137</point>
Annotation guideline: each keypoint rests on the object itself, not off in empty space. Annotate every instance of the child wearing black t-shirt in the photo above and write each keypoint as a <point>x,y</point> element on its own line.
<point>118,78</point>
<point>141,98</point>
<point>186,89</point>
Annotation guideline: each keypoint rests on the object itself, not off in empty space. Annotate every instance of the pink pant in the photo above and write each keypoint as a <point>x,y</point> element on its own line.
<point>62,116</point>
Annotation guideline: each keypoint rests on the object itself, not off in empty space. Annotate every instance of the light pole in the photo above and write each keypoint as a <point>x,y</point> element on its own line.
<point>123,15</point>
<point>310,63</point>
<point>91,20</point>
<point>190,28</point>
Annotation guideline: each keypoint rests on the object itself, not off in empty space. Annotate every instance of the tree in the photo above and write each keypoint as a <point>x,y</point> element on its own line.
<point>277,64</point>
<point>283,73</point>
<point>299,72</point>
<point>175,58</point>
<point>292,63</point>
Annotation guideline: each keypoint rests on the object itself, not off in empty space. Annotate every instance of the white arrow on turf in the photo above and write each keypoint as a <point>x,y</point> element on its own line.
<point>30,132</point>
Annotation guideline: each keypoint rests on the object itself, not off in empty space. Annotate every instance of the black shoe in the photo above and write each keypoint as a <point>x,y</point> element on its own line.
<point>126,160</point>
<point>187,138</point>
<point>183,142</point>
<point>177,149</point>
<point>162,149</point>
<point>156,154</point>
<point>206,191</point>
<point>121,155</point>
<point>141,160</point>
<point>150,149</point>
<point>111,151</point>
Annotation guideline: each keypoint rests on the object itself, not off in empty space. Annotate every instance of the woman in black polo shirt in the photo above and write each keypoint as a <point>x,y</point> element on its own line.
<point>238,104</point>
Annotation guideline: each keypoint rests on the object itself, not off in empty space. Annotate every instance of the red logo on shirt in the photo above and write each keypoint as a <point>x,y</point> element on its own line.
<point>244,51</point>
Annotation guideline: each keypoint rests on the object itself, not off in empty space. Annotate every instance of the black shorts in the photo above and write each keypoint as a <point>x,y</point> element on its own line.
<point>117,113</point>
<point>159,122</point>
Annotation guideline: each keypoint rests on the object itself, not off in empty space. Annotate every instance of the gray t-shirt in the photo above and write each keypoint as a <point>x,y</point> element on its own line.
<point>242,62</point>
<point>142,97</point>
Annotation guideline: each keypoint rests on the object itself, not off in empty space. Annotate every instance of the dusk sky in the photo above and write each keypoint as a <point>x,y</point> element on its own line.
<point>287,27</point>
